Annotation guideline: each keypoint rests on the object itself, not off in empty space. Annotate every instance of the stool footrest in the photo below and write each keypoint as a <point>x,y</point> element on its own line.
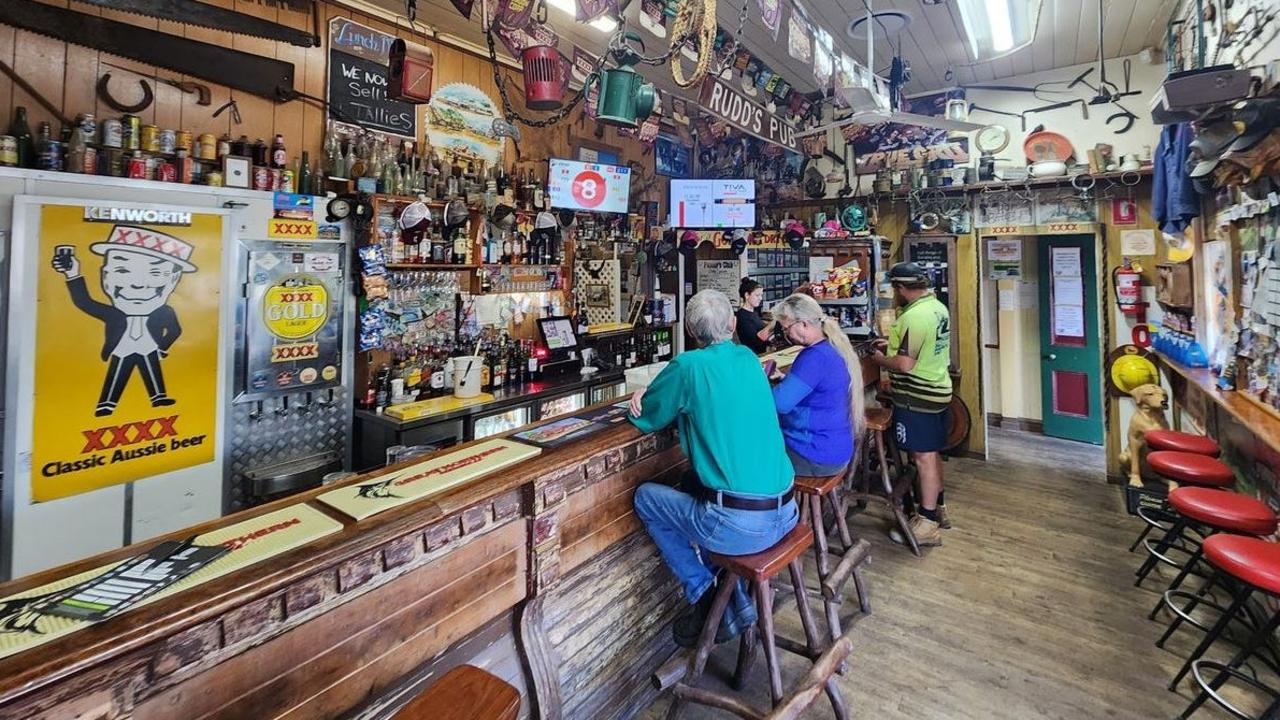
<point>1170,595</point>
<point>721,701</point>
<point>854,557</point>
<point>795,648</point>
<point>1230,672</point>
<point>672,671</point>
<point>1150,545</point>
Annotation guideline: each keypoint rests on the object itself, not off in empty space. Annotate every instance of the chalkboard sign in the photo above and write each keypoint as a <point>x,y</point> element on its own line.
<point>358,96</point>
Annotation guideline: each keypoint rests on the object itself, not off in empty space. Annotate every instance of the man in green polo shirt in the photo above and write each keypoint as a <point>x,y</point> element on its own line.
<point>918,361</point>
<point>738,499</point>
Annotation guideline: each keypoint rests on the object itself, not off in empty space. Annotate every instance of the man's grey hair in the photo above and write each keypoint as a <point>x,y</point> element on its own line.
<point>709,317</point>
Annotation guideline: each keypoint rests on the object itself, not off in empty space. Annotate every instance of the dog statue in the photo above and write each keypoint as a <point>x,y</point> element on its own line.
<point>1151,402</point>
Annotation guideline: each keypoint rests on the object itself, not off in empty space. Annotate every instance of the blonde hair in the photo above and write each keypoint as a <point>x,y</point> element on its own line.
<point>802,308</point>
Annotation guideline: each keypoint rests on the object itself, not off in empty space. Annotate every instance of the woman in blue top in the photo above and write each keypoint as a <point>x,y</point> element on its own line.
<point>820,402</point>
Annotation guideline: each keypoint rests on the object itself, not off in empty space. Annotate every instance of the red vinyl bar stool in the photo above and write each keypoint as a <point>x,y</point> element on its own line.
<point>1184,469</point>
<point>1217,512</point>
<point>1254,565</point>
<point>683,671</point>
<point>1177,441</point>
<point>812,492</point>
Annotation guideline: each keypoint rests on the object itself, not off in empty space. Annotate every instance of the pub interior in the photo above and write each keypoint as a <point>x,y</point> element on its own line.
<point>604,359</point>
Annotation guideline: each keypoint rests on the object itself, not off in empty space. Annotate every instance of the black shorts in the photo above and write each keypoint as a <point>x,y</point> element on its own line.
<point>920,431</point>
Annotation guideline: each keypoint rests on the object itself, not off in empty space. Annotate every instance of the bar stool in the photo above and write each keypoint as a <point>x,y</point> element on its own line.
<point>878,421</point>
<point>682,673</point>
<point>1254,564</point>
<point>1184,469</point>
<point>464,693</point>
<point>812,491</point>
<point>1216,511</point>
<point>1177,441</point>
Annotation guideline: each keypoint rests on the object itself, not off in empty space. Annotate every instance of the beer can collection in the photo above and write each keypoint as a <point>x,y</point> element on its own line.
<point>88,124</point>
<point>213,178</point>
<point>286,181</point>
<point>168,142</point>
<point>51,156</point>
<point>261,177</point>
<point>224,146</point>
<point>8,151</point>
<point>90,160</point>
<point>207,147</point>
<point>130,132</point>
<point>165,172</point>
<point>150,138</point>
<point>112,133</point>
<point>137,167</point>
<point>182,141</point>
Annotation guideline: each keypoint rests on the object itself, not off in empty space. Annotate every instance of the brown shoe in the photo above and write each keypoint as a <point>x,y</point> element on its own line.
<point>928,533</point>
<point>944,520</point>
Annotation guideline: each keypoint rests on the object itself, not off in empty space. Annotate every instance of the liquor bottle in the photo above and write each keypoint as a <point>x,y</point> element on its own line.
<point>437,372</point>
<point>21,133</point>
<point>632,355</point>
<point>497,372</point>
<point>241,146</point>
<point>506,249</point>
<point>383,395</point>
<point>260,153</point>
<point>539,197</point>
<point>304,175</point>
<point>486,284</point>
<point>512,364</point>
<point>460,240</point>
<point>535,365</point>
<point>580,312</point>
<point>279,156</point>
<point>486,371</point>
<point>76,148</point>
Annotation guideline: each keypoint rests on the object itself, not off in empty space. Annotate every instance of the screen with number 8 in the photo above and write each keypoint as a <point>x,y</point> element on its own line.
<point>589,186</point>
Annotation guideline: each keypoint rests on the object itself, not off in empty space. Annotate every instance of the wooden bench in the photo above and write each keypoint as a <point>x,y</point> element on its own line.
<point>464,693</point>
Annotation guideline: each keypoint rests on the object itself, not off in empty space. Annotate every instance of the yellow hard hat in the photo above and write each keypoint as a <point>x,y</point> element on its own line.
<point>1130,371</point>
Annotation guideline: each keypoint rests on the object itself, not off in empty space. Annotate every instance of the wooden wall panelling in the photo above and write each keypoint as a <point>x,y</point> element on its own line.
<point>258,113</point>
<point>40,61</point>
<point>289,118</point>
<point>124,84</point>
<point>199,119</point>
<point>8,39</point>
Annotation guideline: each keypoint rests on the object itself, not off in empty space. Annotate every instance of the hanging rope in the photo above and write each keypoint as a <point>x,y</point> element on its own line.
<point>687,22</point>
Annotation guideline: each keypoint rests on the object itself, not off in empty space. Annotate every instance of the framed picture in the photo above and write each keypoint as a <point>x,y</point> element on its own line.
<point>236,171</point>
<point>671,157</point>
<point>597,295</point>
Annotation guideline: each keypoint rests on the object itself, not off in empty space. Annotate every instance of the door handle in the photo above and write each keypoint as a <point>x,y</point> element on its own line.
<point>1050,356</point>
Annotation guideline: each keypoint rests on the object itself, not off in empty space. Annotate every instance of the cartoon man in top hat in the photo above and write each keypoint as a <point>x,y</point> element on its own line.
<point>140,269</point>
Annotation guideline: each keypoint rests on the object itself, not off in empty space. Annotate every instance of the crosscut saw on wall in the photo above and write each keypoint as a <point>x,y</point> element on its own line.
<point>199,14</point>
<point>254,74</point>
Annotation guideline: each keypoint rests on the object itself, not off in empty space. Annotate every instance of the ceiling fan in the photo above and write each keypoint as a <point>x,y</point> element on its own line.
<point>875,100</point>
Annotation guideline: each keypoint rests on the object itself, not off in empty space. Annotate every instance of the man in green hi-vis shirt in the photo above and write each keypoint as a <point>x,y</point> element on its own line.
<point>738,499</point>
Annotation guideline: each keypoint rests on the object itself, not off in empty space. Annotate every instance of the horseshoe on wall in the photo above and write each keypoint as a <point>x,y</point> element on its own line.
<point>104,92</point>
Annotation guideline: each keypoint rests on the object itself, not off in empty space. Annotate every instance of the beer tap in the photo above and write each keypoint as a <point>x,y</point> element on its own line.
<point>282,409</point>
<point>305,407</point>
<point>256,414</point>
<point>324,401</point>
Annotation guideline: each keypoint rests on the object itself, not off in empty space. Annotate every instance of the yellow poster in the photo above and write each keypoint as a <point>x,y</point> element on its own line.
<point>127,332</point>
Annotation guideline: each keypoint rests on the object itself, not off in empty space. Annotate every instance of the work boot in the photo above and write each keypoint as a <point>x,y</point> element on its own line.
<point>928,533</point>
<point>944,520</point>
<point>737,617</point>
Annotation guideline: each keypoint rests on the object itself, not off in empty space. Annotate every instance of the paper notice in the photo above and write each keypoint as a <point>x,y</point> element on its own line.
<point>1008,298</point>
<point>1066,262</point>
<point>1068,321</point>
<point>1029,295</point>
<point>1068,291</point>
<point>1137,242</point>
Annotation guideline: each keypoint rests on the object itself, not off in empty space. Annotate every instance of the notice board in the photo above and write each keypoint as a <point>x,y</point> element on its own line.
<point>358,81</point>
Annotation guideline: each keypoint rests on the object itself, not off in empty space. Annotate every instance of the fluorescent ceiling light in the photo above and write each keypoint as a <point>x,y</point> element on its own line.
<point>604,23</point>
<point>998,27</point>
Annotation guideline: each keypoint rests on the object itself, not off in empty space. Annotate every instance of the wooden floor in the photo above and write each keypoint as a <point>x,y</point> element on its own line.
<point>1028,610</point>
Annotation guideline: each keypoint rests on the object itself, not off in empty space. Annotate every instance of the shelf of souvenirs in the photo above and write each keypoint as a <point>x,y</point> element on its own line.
<point>987,185</point>
<point>1247,207</point>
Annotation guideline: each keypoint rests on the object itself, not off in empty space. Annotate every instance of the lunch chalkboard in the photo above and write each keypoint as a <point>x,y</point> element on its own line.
<point>358,96</point>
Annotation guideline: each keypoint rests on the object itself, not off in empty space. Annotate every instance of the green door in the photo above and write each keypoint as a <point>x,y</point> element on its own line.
<point>1071,359</point>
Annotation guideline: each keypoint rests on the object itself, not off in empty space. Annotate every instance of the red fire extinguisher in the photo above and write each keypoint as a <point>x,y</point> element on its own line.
<point>1128,285</point>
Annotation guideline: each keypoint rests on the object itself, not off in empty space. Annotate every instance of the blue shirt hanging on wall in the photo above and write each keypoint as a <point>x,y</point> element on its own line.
<point>1174,202</point>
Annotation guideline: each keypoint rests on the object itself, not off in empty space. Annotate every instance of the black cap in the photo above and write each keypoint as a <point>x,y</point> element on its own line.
<point>909,274</point>
<point>1211,141</point>
<point>1255,118</point>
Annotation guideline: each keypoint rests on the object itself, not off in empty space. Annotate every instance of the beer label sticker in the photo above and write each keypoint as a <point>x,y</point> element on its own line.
<point>320,262</point>
<point>288,229</point>
<point>267,261</point>
<point>294,310</point>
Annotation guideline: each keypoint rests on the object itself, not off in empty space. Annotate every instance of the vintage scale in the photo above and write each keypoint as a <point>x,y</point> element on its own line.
<point>990,140</point>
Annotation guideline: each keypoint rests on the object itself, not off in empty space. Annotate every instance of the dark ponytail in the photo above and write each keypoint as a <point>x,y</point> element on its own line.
<point>746,287</point>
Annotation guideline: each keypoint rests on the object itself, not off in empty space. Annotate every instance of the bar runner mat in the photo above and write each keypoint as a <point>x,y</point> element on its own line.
<point>429,477</point>
<point>23,626</point>
<point>434,406</point>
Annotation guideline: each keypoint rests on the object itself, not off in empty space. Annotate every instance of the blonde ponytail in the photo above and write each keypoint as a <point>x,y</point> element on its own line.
<point>802,308</point>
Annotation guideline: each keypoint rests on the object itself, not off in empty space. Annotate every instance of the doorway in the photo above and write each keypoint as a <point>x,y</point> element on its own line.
<point>1041,335</point>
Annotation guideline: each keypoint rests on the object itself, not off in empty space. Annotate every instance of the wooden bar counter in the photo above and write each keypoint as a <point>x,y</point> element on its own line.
<point>545,557</point>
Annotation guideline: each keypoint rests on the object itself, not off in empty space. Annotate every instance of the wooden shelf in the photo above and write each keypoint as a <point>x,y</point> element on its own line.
<point>1261,422</point>
<point>429,266</point>
<point>864,300</point>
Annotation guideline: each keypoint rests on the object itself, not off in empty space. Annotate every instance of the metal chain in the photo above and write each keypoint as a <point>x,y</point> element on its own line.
<point>731,48</point>
<point>555,117</point>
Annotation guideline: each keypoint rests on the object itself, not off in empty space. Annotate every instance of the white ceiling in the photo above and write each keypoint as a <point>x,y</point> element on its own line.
<point>1067,35</point>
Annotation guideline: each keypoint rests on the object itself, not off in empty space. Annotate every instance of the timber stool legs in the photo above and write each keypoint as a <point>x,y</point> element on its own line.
<point>879,421</point>
<point>683,671</point>
<point>812,492</point>
<point>464,693</point>
<point>1255,565</point>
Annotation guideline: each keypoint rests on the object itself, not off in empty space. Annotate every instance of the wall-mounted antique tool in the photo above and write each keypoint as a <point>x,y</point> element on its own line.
<point>26,87</point>
<point>203,95</point>
<point>216,18</point>
<point>254,74</point>
<point>104,94</point>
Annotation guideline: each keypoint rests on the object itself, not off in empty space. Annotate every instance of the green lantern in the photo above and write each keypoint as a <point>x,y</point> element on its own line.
<point>625,98</point>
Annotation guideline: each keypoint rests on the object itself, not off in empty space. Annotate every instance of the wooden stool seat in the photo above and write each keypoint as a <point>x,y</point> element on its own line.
<point>820,486</point>
<point>879,419</point>
<point>767,563</point>
<point>464,693</point>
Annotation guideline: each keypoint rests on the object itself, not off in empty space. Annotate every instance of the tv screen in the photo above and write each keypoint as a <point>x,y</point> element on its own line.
<point>558,333</point>
<point>713,203</point>
<point>589,186</point>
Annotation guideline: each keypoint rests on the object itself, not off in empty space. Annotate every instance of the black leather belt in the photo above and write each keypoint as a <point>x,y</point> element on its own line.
<point>737,502</point>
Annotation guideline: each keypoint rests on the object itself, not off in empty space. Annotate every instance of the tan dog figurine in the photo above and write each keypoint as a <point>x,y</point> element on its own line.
<point>1151,402</point>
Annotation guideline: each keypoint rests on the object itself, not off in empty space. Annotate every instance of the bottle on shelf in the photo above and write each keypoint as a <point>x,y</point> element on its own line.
<point>21,132</point>
<point>261,155</point>
<point>241,146</point>
<point>304,175</point>
<point>279,156</point>
<point>383,395</point>
<point>76,148</point>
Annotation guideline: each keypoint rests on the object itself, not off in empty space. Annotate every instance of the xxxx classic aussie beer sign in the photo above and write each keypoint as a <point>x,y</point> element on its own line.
<point>127,326</point>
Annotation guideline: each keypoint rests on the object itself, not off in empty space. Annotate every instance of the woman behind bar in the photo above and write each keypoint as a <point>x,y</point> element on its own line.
<point>753,332</point>
<point>738,499</point>
<point>820,402</point>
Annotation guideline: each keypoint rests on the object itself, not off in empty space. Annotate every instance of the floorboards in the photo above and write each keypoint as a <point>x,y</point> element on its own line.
<point>1028,610</point>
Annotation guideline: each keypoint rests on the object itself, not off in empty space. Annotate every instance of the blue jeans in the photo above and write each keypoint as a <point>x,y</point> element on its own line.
<point>681,525</point>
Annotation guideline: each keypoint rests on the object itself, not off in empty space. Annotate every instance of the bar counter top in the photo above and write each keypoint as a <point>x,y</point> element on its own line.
<point>317,630</point>
<point>1263,424</point>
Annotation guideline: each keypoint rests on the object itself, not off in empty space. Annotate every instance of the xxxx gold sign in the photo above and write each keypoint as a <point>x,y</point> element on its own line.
<point>295,309</point>
<point>127,314</point>
<point>287,229</point>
